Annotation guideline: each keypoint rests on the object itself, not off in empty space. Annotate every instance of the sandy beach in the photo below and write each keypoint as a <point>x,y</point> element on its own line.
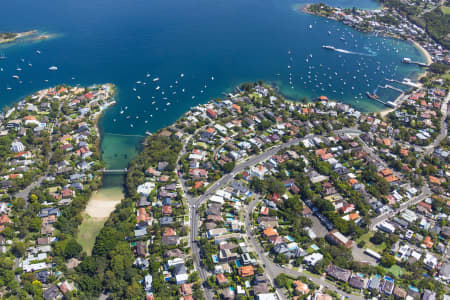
<point>103,202</point>
<point>423,50</point>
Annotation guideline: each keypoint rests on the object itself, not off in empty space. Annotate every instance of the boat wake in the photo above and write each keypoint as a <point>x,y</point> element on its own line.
<point>371,53</point>
<point>354,53</point>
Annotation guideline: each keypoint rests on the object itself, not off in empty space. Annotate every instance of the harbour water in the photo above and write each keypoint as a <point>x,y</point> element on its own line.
<point>198,49</point>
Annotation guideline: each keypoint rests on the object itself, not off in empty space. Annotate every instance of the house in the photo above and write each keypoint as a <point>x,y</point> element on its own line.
<point>170,240</point>
<point>301,287</point>
<point>246,271</point>
<point>430,261</point>
<point>374,283</point>
<point>186,289</point>
<point>270,232</point>
<point>221,279</point>
<point>313,259</point>
<point>227,294</point>
<point>400,293</point>
<point>357,282</point>
<point>386,227</point>
<point>148,280</point>
<point>267,296</point>
<point>141,249</point>
<point>428,295</point>
<point>387,286</point>
<point>337,238</point>
<point>444,272</point>
<point>211,113</point>
<point>52,293</point>
<point>338,273</point>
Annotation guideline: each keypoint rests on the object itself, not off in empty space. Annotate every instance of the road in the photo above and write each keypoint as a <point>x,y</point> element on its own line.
<point>426,192</point>
<point>442,134</point>
<point>273,270</point>
<point>24,193</point>
<point>195,203</point>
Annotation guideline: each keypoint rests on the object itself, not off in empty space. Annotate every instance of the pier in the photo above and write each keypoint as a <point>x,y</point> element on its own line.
<point>405,81</point>
<point>408,60</point>
<point>387,86</point>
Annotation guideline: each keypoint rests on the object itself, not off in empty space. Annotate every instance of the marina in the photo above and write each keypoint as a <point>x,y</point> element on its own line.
<point>155,88</point>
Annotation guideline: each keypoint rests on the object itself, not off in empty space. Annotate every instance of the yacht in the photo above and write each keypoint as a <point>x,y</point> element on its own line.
<point>372,96</point>
<point>328,47</point>
<point>53,68</point>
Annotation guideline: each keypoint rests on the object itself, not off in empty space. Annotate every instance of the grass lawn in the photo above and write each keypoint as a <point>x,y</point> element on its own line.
<point>369,244</point>
<point>446,76</point>
<point>445,10</point>
<point>88,231</point>
<point>396,270</point>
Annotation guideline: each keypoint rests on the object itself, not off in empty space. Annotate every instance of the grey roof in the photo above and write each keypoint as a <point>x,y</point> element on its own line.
<point>51,293</point>
<point>428,295</point>
<point>374,283</point>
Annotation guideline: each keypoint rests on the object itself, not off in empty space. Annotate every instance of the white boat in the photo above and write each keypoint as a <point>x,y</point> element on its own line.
<point>155,79</point>
<point>148,75</point>
<point>182,75</point>
<point>310,26</point>
<point>15,76</point>
<point>139,97</point>
<point>134,89</point>
<point>212,77</point>
<point>53,68</point>
<point>18,69</point>
<point>158,87</point>
<point>38,52</point>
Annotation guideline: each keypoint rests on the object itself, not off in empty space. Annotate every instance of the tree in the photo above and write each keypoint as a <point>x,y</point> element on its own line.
<point>229,166</point>
<point>72,249</point>
<point>378,238</point>
<point>18,249</point>
<point>387,261</point>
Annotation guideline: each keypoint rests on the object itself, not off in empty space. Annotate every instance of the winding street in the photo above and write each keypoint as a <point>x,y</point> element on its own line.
<point>194,203</point>
<point>273,270</point>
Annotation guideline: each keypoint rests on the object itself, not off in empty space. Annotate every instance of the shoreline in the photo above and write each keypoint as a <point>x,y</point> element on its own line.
<point>17,35</point>
<point>424,51</point>
<point>428,57</point>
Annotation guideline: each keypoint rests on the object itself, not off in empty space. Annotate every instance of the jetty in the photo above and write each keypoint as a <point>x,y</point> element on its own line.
<point>388,86</point>
<point>406,81</point>
<point>407,60</point>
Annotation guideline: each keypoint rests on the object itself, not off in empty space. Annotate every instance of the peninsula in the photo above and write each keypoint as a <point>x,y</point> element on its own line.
<point>9,37</point>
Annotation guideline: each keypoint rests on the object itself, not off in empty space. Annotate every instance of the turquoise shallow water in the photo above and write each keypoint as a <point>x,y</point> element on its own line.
<point>215,45</point>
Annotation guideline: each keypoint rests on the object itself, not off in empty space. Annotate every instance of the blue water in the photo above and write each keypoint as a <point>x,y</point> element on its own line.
<point>231,41</point>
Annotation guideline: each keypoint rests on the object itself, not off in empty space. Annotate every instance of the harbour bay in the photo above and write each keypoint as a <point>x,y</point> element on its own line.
<point>219,45</point>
